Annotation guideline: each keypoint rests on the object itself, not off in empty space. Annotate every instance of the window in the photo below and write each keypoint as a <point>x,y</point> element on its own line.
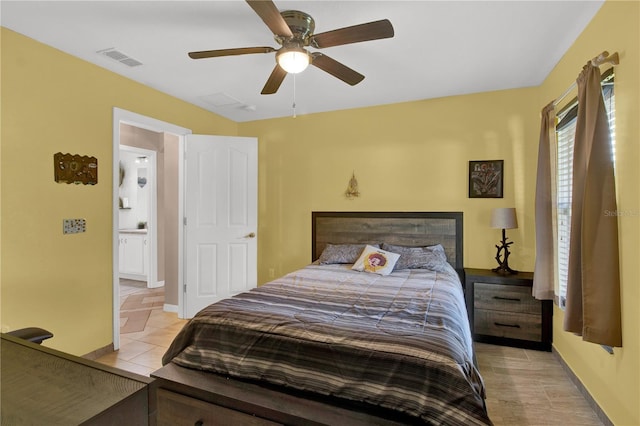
<point>565,135</point>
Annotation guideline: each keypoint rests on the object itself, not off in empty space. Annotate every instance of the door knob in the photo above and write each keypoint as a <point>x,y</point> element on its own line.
<point>251,235</point>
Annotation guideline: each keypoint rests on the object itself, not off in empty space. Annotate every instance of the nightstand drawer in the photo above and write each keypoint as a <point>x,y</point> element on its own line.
<point>507,298</point>
<point>505,324</point>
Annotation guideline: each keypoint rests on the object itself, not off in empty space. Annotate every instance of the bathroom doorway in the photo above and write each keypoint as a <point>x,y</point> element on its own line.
<point>137,215</point>
<point>164,140</point>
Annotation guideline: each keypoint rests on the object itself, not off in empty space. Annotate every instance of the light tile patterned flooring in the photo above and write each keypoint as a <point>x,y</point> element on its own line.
<point>524,387</point>
<point>141,351</point>
<point>136,304</point>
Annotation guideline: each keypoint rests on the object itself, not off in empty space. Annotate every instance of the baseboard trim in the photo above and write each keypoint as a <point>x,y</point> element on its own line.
<point>170,308</point>
<point>585,393</point>
<point>135,277</point>
<point>157,284</point>
<point>99,352</point>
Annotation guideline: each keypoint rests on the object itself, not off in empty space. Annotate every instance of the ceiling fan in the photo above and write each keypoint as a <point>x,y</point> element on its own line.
<point>293,30</point>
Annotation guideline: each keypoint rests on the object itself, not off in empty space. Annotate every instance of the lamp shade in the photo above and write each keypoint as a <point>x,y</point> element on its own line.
<point>504,218</point>
<point>293,60</point>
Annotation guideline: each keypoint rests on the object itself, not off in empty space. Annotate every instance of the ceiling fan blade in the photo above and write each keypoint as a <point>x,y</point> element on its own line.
<point>230,52</point>
<point>271,16</point>
<point>275,80</point>
<point>355,34</point>
<point>336,69</point>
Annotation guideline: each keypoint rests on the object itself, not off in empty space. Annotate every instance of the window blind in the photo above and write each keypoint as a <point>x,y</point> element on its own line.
<point>564,170</point>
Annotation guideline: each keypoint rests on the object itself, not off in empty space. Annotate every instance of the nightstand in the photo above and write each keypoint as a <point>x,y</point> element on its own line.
<point>502,311</point>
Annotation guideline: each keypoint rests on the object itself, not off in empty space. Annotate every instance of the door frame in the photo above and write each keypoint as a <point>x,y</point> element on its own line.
<point>148,123</point>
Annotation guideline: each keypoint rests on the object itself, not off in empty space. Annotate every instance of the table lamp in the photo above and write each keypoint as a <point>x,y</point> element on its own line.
<point>504,218</point>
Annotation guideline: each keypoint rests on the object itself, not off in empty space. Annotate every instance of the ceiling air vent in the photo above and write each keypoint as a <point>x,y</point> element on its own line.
<point>221,99</point>
<point>120,57</point>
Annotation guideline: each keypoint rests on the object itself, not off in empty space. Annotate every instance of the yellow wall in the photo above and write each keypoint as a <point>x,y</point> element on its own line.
<point>613,380</point>
<point>407,157</point>
<point>52,102</point>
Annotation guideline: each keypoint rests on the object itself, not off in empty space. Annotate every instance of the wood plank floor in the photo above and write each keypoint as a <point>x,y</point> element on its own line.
<point>527,387</point>
<point>524,387</point>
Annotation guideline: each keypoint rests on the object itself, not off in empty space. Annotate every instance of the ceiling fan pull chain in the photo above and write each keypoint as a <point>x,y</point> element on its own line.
<point>294,96</point>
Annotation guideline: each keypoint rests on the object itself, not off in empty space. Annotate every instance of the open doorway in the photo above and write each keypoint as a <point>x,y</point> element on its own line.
<point>141,290</point>
<point>160,142</point>
<point>138,214</point>
<point>226,167</point>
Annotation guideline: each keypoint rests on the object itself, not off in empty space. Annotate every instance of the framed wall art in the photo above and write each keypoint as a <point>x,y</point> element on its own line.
<point>486,178</point>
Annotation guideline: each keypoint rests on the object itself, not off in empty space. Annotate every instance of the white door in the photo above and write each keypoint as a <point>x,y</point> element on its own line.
<point>221,200</point>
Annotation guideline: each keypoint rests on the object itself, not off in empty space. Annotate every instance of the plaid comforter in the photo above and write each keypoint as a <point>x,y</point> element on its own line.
<point>401,341</point>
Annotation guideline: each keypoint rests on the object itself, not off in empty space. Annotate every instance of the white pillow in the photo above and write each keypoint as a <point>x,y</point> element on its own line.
<point>376,260</point>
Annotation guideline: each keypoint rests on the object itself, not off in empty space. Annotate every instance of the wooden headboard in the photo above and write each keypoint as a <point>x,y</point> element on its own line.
<point>401,228</point>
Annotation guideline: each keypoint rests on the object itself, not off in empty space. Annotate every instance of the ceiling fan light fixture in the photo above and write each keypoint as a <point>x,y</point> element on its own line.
<point>294,31</point>
<point>293,60</point>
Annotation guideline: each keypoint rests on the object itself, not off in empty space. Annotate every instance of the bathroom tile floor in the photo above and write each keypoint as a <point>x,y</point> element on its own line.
<point>137,304</point>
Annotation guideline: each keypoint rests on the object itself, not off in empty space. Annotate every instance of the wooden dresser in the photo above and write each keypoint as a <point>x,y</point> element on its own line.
<point>42,386</point>
<point>502,311</point>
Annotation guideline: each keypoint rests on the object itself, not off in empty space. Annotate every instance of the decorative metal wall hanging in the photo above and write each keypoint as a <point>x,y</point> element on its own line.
<point>74,168</point>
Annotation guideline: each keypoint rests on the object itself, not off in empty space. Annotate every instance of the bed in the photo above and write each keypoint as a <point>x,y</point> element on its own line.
<point>328,344</point>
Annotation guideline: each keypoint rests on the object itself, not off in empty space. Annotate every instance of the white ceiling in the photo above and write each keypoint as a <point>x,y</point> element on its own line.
<point>440,48</point>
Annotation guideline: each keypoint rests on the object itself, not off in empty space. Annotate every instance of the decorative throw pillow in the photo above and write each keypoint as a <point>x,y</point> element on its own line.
<point>376,260</point>
<point>341,253</point>
<point>428,257</point>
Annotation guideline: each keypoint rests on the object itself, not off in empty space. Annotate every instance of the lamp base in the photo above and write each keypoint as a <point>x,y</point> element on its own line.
<point>502,256</point>
<point>504,270</point>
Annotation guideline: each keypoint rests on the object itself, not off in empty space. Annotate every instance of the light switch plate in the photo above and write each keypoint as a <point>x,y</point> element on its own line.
<point>73,226</point>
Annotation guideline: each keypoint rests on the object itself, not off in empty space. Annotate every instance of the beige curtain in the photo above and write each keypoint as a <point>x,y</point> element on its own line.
<point>543,276</point>
<point>593,284</point>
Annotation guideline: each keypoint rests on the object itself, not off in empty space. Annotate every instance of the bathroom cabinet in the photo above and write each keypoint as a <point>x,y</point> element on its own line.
<point>133,252</point>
